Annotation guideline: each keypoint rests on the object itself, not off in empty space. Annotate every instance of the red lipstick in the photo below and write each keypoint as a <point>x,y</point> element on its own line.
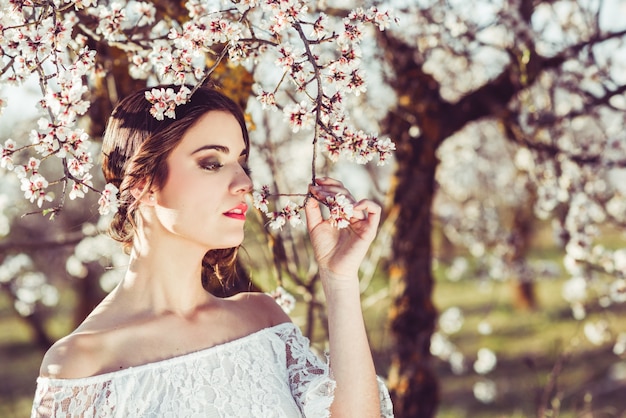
<point>238,212</point>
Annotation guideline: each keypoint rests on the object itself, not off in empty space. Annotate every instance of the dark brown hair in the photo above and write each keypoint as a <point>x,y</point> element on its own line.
<point>135,149</point>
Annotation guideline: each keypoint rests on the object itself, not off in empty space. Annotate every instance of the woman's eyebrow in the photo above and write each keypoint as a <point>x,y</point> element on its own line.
<point>220,148</point>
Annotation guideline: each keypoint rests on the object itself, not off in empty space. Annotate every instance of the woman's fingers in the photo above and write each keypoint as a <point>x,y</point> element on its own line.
<point>328,181</point>
<point>327,187</point>
<point>369,210</point>
<point>313,214</point>
<point>331,186</point>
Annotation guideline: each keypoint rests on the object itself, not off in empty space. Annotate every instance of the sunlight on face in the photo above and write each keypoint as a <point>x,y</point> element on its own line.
<point>203,199</point>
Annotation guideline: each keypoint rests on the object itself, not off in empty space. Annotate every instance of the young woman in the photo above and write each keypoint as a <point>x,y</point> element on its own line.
<point>160,345</point>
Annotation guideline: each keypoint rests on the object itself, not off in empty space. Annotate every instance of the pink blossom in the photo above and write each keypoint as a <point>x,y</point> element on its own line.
<point>335,74</point>
<point>67,102</point>
<point>288,59</point>
<point>164,101</point>
<point>146,11</point>
<point>284,299</point>
<point>80,188</point>
<point>108,202</point>
<point>382,19</point>
<point>333,147</point>
<point>34,188</point>
<point>320,26</point>
<point>280,22</point>
<point>80,164</point>
<point>299,116</point>
<point>356,83</point>
<point>292,214</point>
<point>385,147</point>
<point>6,154</point>
<point>341,210</point>
<point>260,199</point>
<point>277,220</point>
<point>110,21</point>
<point>33,165</point>
<point>351,34</point>
<point>268,100</point>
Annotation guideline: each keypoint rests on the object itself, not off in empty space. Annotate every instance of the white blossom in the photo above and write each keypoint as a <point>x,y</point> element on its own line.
<point>164,101</point>
<point>485,362</point>
<point>620,344</point>
<point>341,210</point>
<point>451,320</point>
<point>617,290</point>
<point>485,391</point>
<point>108,202</point>
<point>259,199</point>
<point>277,220</point>
<point>575,289</point>
<point>597,332</point>
<point>34,188</point>
<point>284,299</point>
<point>299,116</point>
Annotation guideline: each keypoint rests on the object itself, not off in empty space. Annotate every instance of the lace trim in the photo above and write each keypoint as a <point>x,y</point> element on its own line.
<point>270,373</point>
<point>275,329</point>
<point>311,382</point>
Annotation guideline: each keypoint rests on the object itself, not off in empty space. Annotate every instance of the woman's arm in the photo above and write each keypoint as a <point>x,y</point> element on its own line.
<point>339,253</point>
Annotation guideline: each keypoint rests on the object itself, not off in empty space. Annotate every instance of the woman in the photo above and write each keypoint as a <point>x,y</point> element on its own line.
<point>161,345</point>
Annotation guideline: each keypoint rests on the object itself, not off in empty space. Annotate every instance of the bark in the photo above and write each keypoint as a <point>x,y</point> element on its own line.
<point>88,291</point>
<point>524,296</point>
<point>412,381</point>
<point>41,336</point>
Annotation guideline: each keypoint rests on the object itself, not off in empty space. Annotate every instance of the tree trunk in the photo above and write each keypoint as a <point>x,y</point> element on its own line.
<point>36,323</point>
<point>421,121</point>
<point>412,382</point>
<point>524,297</point>
<point>88,291</point>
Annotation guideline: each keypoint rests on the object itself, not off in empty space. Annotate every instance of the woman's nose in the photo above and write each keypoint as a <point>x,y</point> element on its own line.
<point>242,183</point>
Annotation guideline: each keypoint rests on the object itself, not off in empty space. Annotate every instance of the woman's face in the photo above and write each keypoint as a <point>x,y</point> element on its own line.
<point>203,198</point>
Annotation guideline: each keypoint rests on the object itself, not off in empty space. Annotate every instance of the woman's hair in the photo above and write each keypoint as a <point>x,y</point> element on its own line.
<point>135,149</point>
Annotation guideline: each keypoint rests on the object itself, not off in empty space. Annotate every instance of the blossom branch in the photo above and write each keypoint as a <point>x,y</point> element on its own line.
<point>42,33</point>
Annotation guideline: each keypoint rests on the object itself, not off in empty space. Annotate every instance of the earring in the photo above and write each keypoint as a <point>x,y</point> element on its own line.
<point>151,198</point>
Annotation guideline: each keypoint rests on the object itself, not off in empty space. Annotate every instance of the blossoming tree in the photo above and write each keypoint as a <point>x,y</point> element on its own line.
<point>549,75</point>
<point>51,39</point>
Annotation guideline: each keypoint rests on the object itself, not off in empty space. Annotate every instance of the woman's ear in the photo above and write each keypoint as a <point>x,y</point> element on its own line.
<point>143,193</point>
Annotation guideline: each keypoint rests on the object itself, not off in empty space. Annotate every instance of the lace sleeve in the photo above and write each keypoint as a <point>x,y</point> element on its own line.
<point>62,400</point>
<point>310,379</point>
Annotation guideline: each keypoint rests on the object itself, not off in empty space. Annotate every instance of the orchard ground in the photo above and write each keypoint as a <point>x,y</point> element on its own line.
<point>530,345</point>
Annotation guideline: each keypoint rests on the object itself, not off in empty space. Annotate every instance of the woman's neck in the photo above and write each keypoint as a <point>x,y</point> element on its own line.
<point>164,276</point>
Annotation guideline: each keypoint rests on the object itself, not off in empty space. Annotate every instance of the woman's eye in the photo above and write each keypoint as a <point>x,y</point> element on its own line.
<point>210,165</point>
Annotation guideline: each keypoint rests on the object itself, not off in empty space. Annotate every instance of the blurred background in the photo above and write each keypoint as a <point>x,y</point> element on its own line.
<point>496,285</point>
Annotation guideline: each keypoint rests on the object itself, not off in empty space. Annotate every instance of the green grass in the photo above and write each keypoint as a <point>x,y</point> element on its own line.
<point>528,345</point>
<point>19,361</point>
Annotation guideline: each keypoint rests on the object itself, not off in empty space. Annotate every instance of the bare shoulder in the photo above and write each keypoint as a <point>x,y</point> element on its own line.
<point>264,307</point>
<point>74,356</point>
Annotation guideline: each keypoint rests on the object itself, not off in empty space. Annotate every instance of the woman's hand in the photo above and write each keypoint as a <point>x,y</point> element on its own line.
<point>340,251</point>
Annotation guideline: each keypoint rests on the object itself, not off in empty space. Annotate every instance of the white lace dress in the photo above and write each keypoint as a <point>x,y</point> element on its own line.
<point>270,373</point>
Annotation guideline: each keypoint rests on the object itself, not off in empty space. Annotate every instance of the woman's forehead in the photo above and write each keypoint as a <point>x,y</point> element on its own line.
<point>217,130</point>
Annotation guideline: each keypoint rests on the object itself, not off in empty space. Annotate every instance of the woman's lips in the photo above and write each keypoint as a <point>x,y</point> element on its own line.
<point>238,212</point>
